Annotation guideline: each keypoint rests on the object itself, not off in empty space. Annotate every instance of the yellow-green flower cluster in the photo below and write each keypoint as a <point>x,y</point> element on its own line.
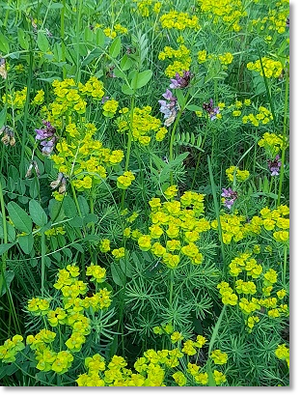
<point>16,100</point>
<point>84,159</point>
<point>39,98</point>
<point>110,107</point>
<point>104,245</point>
<point>154,368</point>
<point>72,98</point>
<point>253,297</point>
<point>276,220</point>
<point>118,253</point>
<point>226,59</point>
<point>11,348</point>
<point>38,306</point>
<point>70,315</point>
<point>141,126</point>
<point>283,353</point>
<point>54,231</point>
<point>227,12</point>
<point>272,143</point>
<point>218,357</point>
<point>271,68</point>
<point>235,228</point>
<point>182,60</point>
<point>113,32</point>
<point>176,227</point>
<point>264,116</point>
<point>97,273</point>
<point>275,21</point>
<point>46,358</point>
<point>179,21</point>
<point>125,180</point>
<point>147,7</point>
<point>234,173</point>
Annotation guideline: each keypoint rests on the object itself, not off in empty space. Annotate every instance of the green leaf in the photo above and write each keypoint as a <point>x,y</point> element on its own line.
<point>115,48</point>
<point>100,37</point>
<point>42,42</point>
<point>37,213</point>
<point>23,40</point>
<point>11,232</point>
<point>4,44</point>
<point>26,243</point>
<point>2,117</point>
<point>140,79</point>
<point>180,98</point>
<point>19,217</point>
<point>194,108</point>
<point>126,63</point>
<point>127,90</point>
<point>5,247</point>
<point>9,276</point>
<point>56,210</point>
<point>83,205</point>
<point>69,207</point>
<point>117,274</point>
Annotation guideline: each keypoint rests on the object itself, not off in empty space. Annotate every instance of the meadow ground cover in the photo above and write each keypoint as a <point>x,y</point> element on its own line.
<point>144,193</point>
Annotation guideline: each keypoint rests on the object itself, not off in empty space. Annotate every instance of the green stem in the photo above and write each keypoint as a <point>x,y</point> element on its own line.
<point>284,137</point>
<point>26,112</point>
<point>128,149</point>
<point>211,344</point>
<point>43,266</point>
<point>285,252</point>
<point>62,35</point>
<point>5,235</point>
<point>78,34</point>
<point>216,206</point>
<point>171,287</point>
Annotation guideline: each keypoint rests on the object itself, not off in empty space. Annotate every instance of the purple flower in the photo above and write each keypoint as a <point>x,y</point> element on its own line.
<point>274,165</point>
<point>169,96</point>
<point>43,135</point>
<point>168,107</point>
<point>229,197</point>
<point>181,81</point>
<point>211,110</point>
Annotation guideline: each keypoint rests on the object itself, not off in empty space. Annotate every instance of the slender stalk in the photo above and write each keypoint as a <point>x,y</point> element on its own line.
<point>128,149</point>
<point>216,206</point>
<point>62,35</point>
<point>171,287</point>
<point>5,237</point>
<point>78,33</point>
<point>26,112</point>
<point>285,252</point>
<point>286,102</point>
<point>211,344</point>
<point>43,267</point>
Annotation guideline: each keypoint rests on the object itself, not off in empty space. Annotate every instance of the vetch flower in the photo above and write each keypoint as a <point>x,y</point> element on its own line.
<point>181,81</point>
<point>229,197</point>
<point>274,165</point>
<point>211,110</point>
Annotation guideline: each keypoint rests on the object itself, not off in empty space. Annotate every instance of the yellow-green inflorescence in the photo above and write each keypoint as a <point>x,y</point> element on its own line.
<point>74,315</point>
<point>155,368</point>
<point>176,227</point>
<point>257,297</point>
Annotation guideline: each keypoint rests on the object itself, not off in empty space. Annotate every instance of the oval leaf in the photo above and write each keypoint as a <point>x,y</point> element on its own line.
<point>26,243</point>
<point>37,213</point>
<point>19,217</point>
<point>115,48</point>
<point>140,79</point>
<point>42,42</point>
